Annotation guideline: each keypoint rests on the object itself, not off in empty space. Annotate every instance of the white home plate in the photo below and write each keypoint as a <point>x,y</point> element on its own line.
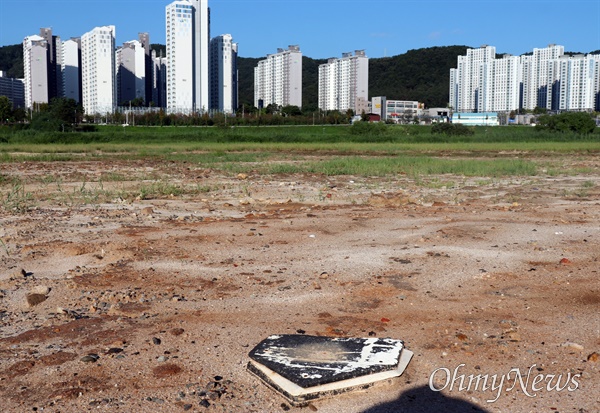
<point>304,368</point>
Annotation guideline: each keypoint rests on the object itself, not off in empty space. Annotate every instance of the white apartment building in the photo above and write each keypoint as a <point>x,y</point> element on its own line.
<point>278,79</point>
<point>187,24</point>
<point>546,79</point>
<point>71,69</point>
<point>578,82</point>
<point>35,65</point>
<point>131,72</point>
<point>539,75</point>
<point>472,79</point>
<point>223,74</point>
<point>98,70</point>
<point>506,82</point>
<point>343,82</point>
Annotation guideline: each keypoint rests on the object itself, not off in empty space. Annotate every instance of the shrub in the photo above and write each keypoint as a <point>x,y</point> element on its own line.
<point>578,122</point>
<point>451,129</point>
<point>369,128</point>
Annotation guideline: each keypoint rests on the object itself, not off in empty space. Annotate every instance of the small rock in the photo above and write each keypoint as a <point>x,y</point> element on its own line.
<point>147,211</point>
<point>462,337</point>
<point>204,403</point>
<point>565,261</point>
<point>594,357</point>
<point>161,359</point>
<point>90,358</point>
<point>35,299</point>
<point>177,331</point>
<point>574,346</point>
<point>40,289</point>
<point>156,340</point>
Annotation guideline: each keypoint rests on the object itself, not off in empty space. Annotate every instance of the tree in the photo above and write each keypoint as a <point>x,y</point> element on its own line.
<point>61,114</point>
<point>291,110</point>
<point>5,109</point>
<point>578,122</point>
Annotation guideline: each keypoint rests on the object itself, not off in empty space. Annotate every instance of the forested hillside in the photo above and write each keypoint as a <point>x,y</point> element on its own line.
<point>11,60</point>
<point>421,74</point>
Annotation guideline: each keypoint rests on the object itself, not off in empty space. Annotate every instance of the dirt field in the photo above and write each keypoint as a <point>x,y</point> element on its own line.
<point>152,305</point>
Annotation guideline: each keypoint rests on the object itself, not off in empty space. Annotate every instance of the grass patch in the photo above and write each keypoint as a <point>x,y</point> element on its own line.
<point>17,199</point>
<point>413,166</point>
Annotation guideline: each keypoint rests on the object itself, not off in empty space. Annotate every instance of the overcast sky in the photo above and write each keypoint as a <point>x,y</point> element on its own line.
<point>328,28</point>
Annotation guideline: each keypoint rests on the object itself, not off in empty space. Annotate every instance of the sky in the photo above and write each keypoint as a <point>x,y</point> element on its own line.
<point>328,28</point>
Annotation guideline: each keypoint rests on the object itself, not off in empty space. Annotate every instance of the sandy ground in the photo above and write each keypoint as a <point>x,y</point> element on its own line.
<point>152,305</point>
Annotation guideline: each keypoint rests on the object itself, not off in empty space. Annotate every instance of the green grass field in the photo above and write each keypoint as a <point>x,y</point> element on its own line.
<point>331,150</point>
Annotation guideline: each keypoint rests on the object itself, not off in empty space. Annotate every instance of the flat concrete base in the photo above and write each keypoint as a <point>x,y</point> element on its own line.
<point>304,368</point>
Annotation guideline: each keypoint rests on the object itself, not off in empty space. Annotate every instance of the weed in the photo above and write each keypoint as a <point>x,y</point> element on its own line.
<point>588,184</point>
<point>5,247</point>
<point>17,199</point>
<point>159,190</point>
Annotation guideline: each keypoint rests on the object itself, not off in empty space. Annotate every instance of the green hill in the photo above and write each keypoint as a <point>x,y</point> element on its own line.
<point>11,60</point>
<point>421,74</point>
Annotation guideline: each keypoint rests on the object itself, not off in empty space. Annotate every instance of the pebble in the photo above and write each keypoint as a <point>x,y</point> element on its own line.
<point>156,340</point>
<point>594,357</point>
<point>574,346</point>
<point>40,289</point>
<point>35,299</point>
<point>147,211</point>
<point>90,358</point>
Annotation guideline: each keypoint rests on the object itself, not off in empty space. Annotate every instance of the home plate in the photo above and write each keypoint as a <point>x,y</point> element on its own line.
<point>304,368</point>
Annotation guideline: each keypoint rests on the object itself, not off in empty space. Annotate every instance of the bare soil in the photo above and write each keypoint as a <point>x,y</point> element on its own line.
<point>152,305</point>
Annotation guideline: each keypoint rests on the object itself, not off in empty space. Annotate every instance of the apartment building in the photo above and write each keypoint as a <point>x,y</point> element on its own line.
<point>539,76</point>
<point>98,70</point>
<point>278,79</point>
<point>54,62</point>
<point>342,82</point>
<point>187,24</point>
<point>223,74</point>
<point>144,39</point>
<point>35,65</point>
<point>577,82</point>
<point>471,81</point>
<point>159,80</point>
<point>71,69</point>
<point>131,72</point>
<point>545,78</point>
